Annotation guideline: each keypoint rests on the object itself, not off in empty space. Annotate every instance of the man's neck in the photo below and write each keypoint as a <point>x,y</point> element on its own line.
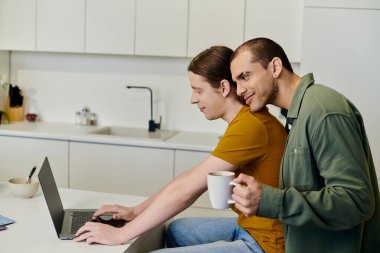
<point>234,108</point>
<point>287,85</point>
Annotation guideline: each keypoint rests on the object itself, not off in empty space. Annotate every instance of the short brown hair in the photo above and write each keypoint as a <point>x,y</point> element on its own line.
<point>263,50</point>
<point>213,64</point>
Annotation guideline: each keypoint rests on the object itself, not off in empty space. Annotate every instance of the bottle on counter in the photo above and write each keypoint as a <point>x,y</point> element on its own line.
<point>84,116</point>
<point>93,119</point>
<point>77,118</point>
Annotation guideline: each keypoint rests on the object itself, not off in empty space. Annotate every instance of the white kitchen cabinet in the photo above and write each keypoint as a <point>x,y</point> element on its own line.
<point>110,26</point>
<point>161,27</point>
<point>60,25</point>
<point>278,20</point>
<point>19,155</point>
<point>341,48</point>
<point>120,169</point>
<point>187,159</point>
<point>215,22</point>
<point>17,24</point>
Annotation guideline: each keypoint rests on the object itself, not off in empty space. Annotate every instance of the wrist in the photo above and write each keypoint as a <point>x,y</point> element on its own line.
<point>123,235</point>
<point>135,211</point>
<point>270,202</point>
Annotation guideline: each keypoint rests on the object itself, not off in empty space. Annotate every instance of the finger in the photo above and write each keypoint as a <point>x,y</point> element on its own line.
<point>233,183</point>
<point>92,240</point>
<point>241,190</point>
<point>243,179</point>
<point>105,209</point>
<point>82,237</point>
<point>82,233</point>
<point>86,227</point>
<point>81,230</point>
<point>248,212</point>
<point>118,216</point>
<point>242,199</point>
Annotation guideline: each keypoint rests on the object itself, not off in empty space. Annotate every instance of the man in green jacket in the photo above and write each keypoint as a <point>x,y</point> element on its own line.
<point>329,198</point>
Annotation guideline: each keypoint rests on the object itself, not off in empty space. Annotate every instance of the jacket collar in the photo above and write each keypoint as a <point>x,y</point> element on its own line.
<point>295,105</point>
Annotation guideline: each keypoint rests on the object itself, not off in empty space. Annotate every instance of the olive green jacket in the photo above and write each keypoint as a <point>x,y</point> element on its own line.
<point>329,196</point>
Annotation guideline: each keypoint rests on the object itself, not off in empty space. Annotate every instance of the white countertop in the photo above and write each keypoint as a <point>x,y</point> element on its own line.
<point>34,230</point>
<point>70,132</point>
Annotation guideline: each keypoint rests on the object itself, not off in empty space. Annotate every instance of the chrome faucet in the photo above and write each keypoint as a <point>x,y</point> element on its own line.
<point>152,124</point>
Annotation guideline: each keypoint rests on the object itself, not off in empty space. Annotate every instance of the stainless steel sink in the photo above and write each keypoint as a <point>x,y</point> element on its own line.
<point>130,132</point>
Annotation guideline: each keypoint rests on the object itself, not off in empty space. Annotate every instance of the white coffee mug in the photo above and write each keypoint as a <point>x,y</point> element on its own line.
<point>220,185</point>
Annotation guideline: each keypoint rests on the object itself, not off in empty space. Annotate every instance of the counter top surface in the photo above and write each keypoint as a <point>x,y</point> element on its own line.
<point>63,131</point>
<point>34,231</point>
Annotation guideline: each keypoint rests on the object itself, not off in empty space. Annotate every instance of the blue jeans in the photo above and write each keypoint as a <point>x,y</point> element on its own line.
<point>219,235</point>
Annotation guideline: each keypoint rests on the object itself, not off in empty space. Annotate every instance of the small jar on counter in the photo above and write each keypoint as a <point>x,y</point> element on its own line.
<point>93,119</point>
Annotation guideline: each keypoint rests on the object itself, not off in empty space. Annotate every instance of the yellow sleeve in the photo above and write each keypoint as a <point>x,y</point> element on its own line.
<point>244,141</point>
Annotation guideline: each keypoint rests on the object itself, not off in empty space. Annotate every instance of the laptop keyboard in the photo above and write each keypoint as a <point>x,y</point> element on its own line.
<point>78,219</point>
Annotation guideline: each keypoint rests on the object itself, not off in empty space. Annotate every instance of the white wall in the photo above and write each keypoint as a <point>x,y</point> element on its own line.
<point>57,85</point>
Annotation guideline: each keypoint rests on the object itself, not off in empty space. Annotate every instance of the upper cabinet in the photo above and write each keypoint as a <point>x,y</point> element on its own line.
<point>278,20</point>
<point>161,27</point>
<point>215,22</point>
<point>179,28</point>
<point>17,24</point>
<point>110,26</point>
<point>60,25</point>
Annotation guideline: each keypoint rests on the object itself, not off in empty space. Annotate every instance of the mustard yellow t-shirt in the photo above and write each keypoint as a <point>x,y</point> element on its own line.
<point>254,143</point>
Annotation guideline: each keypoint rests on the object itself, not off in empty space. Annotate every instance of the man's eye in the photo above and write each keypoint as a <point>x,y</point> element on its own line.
<point>244,77</point>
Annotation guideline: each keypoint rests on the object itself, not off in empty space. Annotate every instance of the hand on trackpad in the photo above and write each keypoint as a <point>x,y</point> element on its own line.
<point>107,219</point>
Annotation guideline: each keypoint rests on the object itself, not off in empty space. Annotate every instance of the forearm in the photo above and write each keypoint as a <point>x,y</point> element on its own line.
<point>173,199</point>
<point>332,208</point>
<point>137,210</point>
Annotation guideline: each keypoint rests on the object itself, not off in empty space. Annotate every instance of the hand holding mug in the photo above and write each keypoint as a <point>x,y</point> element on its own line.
<point>247,194</point>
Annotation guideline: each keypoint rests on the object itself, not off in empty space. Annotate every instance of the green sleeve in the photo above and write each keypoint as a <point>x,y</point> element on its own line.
<point>345,197</point>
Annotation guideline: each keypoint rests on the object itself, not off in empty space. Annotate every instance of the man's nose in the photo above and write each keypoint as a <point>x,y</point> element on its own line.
<point>239,90</point>
<point>193,100</point>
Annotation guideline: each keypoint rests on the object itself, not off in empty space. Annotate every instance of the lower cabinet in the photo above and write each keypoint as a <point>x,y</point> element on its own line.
<point>187,159</point>
<point>99,167</point>
<point>119,169</point>
<point>19,155</point>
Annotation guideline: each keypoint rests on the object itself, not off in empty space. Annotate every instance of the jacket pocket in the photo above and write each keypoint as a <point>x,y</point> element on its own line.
<point>302,173</point>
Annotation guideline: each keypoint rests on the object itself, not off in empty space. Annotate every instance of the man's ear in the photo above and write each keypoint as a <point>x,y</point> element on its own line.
<point>276,67</point>
<point>225,87</point>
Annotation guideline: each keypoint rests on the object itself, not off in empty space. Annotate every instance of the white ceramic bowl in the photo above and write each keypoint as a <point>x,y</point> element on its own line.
<point>20,188</point>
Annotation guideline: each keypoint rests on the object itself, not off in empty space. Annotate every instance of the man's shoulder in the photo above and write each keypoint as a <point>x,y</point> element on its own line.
<point>321,100</point>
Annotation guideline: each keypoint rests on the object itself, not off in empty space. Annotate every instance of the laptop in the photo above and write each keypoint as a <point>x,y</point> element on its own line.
<point>66,221</point>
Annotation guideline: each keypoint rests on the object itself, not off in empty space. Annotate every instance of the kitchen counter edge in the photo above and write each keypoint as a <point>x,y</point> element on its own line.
<point>194,141</point>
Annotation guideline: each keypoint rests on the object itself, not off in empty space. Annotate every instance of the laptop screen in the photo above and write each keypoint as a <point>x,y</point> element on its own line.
<point>50,190</point>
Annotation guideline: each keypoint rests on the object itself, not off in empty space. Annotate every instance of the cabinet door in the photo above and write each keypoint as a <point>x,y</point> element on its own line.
<point>161,27</point>
<point>19,155</point>
<point>110,26</point>
<point>60,25</point>
<point>119,169</point>
<point>278,20</point>
<point>341,47</point>
<point>188,159</point>
<point>215,22</point>
<point>17,24</point>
